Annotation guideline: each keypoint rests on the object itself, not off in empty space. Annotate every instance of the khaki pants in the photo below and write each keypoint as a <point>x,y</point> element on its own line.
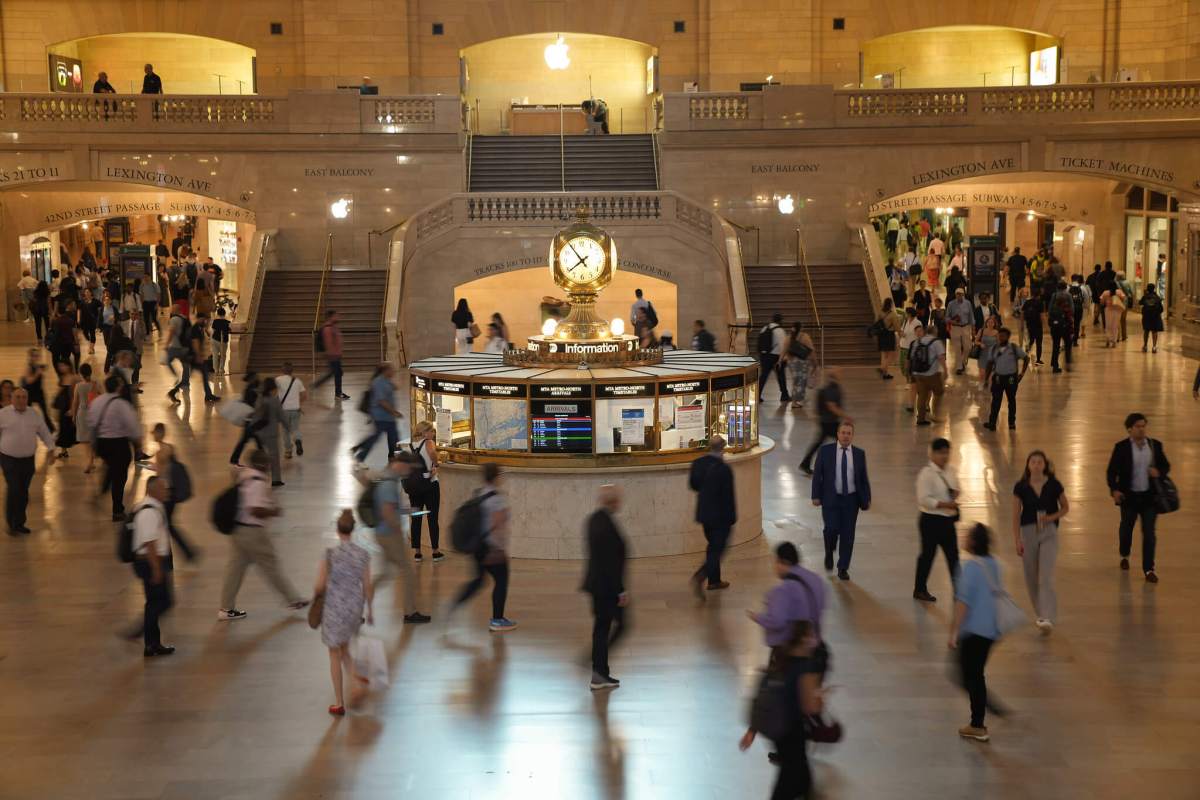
<point>960,338</point>
<point>1041,551</point>
<point>250,545</point>
<point>291,429</point>
<point>927,386</point>
<point>396,550</point>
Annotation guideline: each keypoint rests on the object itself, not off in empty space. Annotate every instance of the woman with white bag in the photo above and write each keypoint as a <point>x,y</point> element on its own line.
<point>983,612</point>
<point>343,590</point>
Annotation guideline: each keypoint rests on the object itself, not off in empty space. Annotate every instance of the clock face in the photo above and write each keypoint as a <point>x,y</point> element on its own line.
<point>581,259</point>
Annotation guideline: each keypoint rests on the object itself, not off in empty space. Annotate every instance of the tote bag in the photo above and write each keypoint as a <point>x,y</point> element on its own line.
<point>1009,615</point>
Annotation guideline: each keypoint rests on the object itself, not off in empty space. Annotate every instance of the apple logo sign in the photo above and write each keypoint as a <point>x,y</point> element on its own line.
<point>556,54</point>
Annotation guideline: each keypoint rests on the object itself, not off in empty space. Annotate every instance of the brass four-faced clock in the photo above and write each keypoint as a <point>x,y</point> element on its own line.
<point>583,260</point>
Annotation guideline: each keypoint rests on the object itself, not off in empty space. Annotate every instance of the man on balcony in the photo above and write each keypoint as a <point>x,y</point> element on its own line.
<point>102,86</point>
<point>151,84</point>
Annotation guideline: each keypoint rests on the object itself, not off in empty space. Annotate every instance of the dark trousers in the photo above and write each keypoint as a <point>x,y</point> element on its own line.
<point>717,537</point>
<point>248,433</point>
<point>177,536</point>
<point>1075,330</point>
<point>768,363</point>
<point>1013,288</point>
<point>606,614</point>
<point>972,656</point>
<point>431,499</point>
<point>499,573</point>
<point>1035,342</point>
<point>936,531</point>
<point>840,518</point>
<point>41,323</point>
<point>382,428</point>
<point>1135,505</point>
<point>18,474</point>
<point>795,779</point>
<point>828,430</point>
<point>1062,343</point>
<point>150,315</point>
<point>1003,386</point>
<point>116,455</point>
<point>335,372</point>
<point>159,599</point>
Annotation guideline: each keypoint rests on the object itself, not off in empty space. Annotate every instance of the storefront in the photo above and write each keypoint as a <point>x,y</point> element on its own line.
<point>1151,225</point>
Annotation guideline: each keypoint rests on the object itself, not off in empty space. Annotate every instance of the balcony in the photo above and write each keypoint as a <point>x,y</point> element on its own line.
<point>817,107</point>
<point>295,112</point>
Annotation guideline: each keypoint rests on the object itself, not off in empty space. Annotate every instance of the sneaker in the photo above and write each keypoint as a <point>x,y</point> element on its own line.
<point>277,483</point>
<point>417,557</point>
<point>971,732</point>
<point>1045,626</point>
<point>416,618</point>
<point>299,448</point>
<point>716,587</point>
<point>501,625</point>
<point>343,396</point>
<point>924,597</point>
<point>160,650</point>
<point>603,682</point>
<point>438,555</point>
<point>225,615</point>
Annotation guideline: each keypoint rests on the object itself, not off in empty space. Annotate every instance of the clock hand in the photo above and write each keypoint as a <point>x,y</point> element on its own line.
<point>581,260</point>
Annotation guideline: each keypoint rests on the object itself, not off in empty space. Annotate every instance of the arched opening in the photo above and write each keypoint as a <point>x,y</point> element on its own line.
<point>516,84</point>
<point>187,64</point>
<point>961,55</point>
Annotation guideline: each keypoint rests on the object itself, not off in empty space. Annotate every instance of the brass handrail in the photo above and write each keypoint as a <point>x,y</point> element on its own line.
<point>757,231</point>
<point>325,267</point>
<point>562,150</point>
<point>802,262</point>
<point>387,282</point>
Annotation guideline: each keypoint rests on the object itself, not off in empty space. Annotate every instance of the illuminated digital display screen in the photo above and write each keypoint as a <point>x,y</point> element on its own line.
<point>561,426</point>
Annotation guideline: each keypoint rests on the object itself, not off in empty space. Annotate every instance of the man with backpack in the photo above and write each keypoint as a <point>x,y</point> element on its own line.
<point>179,348</point>
<point>643,305</point>
<point>388,502</point>
<point>380,404</point>
<point>1080,300</point>
<point>771,341</point>
<point>250,537</point>
<point>481,528</point>
<point>151,552</point>
<point>927,364</point>
<point>1062,327</point>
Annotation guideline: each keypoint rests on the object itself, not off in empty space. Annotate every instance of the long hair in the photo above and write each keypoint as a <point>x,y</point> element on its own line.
<point>1048,471</point>
<point>979,540</point>
<point>461,308</point>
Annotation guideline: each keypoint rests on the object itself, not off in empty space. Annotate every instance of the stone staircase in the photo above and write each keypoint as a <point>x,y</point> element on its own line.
<point>283,328</point>
<point>543,163</point>
<point>842,298</point>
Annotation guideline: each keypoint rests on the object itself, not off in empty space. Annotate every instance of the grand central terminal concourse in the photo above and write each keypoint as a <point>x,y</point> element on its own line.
<point>489,399</point>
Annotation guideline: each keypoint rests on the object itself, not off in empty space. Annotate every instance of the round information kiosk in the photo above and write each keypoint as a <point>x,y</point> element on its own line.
<point>583,405</point>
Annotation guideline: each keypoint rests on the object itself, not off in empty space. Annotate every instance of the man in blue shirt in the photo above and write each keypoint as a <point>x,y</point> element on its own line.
<point>392,513</point>
<point>381,407</point>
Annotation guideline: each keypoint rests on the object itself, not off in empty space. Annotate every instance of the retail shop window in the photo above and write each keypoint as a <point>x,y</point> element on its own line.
<point>736,417</point>
<point>1135,199</point>
<point>1158,201</point>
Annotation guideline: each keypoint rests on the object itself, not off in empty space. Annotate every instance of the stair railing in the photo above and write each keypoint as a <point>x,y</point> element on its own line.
<point>387,279</point>
<point>749,229</point>
<point>470,155</point>
<point>326,265</point>
<point>657,180</point>
<point>802,263</point>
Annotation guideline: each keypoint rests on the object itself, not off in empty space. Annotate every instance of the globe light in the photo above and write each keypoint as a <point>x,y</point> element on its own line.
<point>617,326</point>
<point>548,327</point>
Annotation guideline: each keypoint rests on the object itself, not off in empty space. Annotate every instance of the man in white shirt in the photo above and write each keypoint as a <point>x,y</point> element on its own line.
<point>250,542</point>
<point>152,563</point>
<point>961,315</point>
<point>291,394</point>
<point>20,429</point>
<point>26,286</point>
<point>768,360</point>
<point>115,428</point>
<point>640,304</point>
<point>937,498</point>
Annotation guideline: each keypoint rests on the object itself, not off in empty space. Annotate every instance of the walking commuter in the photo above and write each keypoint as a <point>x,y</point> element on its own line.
<point>716,511</point>
<point>890,322</point>
<point>800,595</point>
<point>20,429</point>
<point>32,380</point>
<point>1134,464</point>
<point>798,358</point>
<point>1039,502</point>
<point>1031,312</point>
<point>702,339</point>
<point>927,364</point>
<point>1079,304</point>
<point>220,342</point>
<point>961,317</point>
<point>1062,328</point>
<point>771,341</point>
<point>937,498</point>
<point>116,430</point>
<point>1114,312</point>
<point>492,556</point>
<point>178,481</point>
<point>149,295</point>
<point>152,563</point>
<point>974,629</point>
<point>1017,266</point>
<point>89,318</point>
<point>41,310</point>
<point>25,288</point>
<point>85,387</point>
<point>151,83</point>
<point>254,422</point>
<point>465,328</point>
<point>1127,299</point>
<point>269,419</point>
<point>250,543</point>
<point>908,335</point>
<point>329,342</point>
<point>830,412</point>
<point>291,395</point>
<point>1095,285</point>
<point>841,489</point>
<point>604,580</point>
<point>1001,376</point>
<point>383,412</point>
<point>344,580</point>
<point>393,515</point>
<point>1152,316</point>
<point>642,306</point>
<point>425,490</point>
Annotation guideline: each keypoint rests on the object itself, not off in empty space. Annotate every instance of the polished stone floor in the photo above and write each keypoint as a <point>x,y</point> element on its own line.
<point>1108,707</point>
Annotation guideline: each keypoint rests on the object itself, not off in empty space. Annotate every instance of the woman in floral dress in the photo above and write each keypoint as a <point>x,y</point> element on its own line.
<point>344,578</point>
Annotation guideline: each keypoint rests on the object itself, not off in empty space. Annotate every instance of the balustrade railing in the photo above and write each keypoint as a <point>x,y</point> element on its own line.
<point>633,206</point>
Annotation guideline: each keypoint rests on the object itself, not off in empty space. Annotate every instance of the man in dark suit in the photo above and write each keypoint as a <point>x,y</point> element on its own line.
<point>1135,462</point>
<point>841,489</point>
<point>716,510</point>
<point>151,84</point>
<point>605,582</point>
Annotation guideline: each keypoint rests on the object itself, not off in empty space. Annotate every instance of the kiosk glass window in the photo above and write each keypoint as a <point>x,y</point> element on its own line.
<point>448,409</point>
<point>735,416</point>
<point>683,420</point>
<point>624,425</point>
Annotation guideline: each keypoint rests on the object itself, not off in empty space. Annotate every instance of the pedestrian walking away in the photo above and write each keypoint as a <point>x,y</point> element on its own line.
<point>152,563</point>
<point>292,395</point>
<point>1039,502</point>
<point>830,413</point>
<point>604,580</point>
<point>772,339</point>
<point>344,583</point>
<point>491,548</point>
<point>1136,463</point>
<point>841,489</point>
<point>116,436</point>
<point>716,511</point>
<point>937,499</point>
<point>328,342</point>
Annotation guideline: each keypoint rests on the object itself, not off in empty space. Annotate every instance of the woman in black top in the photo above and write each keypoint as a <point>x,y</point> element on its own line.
<point>1039,502</point>
<point>463,321</point>
<point>41,310</point>
<point>31,382</point>
<point>89,318</point>
<point>922,301</point>
<point>1152,314</point>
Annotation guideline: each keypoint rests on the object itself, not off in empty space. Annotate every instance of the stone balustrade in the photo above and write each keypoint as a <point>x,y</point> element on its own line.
<point>298,111</point>
<point>780,107</point>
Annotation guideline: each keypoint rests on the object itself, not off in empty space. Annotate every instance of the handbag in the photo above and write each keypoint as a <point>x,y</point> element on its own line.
<point>799,350</point>
<point>976,351</point>
<point>1166,495</point>
<point>1009,615</point>
<point>818,729</point>
<point>473,330</point>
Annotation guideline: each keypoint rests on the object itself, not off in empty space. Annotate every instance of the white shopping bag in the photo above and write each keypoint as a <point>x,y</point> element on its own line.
<point>236,412</point>
<point>370,661</point>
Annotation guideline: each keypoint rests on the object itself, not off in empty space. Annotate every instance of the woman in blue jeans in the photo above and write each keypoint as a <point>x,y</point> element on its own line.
<point>974,630</point>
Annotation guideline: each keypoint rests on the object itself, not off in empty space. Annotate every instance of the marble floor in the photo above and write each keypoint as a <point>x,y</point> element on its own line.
<point>1108,707</point>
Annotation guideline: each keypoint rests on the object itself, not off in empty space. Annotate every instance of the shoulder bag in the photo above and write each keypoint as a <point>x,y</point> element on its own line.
<point>1166,495</point>
<point>950,489</point>
<point>1009,615</point>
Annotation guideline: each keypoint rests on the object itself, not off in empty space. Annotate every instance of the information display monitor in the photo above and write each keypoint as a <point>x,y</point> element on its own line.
<point>561,426</point>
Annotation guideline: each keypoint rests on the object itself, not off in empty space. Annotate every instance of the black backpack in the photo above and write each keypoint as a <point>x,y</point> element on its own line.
<point>225,510</point>
<point>918,357</point>
<point>774,712</point>
<point>651,315</point>
<point>319,340</point>
<point>466,529</point>
<point>1076,297</point>
<point>766,339</point>
<point>181,482</point>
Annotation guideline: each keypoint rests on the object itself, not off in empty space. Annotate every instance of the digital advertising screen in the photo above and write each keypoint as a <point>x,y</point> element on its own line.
<point>66,74</point>
<point>561,426</point>
<point>1043,67</point>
